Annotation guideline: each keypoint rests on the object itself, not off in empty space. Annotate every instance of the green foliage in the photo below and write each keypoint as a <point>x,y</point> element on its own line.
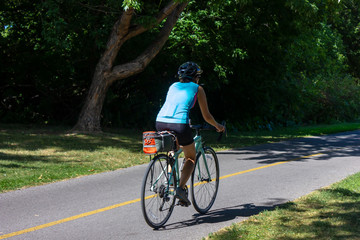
<point>316,64</point>
<point>47,58</point>
<point>278,63</point>
<point>241,47</point>
<point>347,22</point>
<point>266,63</point>
<point>131,4</point>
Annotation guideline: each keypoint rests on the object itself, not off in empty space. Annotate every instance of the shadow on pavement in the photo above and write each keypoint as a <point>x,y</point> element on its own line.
<point>336,145</point>
<point>223,215</point>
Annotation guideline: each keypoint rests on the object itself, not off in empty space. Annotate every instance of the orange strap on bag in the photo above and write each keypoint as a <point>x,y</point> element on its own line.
<point>149,144</point>
<point>154,142</point>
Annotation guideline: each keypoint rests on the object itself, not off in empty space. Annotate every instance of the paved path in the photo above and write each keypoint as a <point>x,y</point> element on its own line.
<point>106,206</point>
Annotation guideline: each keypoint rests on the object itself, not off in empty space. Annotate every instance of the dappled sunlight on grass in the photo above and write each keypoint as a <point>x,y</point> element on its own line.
<point>330,213</point>
<point>54,154</point>
<point>32,157</point>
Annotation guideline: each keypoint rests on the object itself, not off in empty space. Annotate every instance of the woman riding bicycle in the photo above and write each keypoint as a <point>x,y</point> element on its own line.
<point>174,116</point>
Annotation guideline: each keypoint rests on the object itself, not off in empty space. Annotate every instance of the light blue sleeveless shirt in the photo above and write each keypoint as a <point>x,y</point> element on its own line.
<point>180,98</point>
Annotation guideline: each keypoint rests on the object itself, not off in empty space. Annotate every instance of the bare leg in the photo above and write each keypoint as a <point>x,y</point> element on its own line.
<point>190,154</point>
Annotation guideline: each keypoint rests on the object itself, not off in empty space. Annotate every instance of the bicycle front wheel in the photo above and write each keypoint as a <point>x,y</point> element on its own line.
<point>205,180</point>
<point>157,192</point>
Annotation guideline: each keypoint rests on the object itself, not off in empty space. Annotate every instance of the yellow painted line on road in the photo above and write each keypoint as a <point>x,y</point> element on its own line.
<point>133,201</point>
<point>270,165</point>
<point>68,219</point>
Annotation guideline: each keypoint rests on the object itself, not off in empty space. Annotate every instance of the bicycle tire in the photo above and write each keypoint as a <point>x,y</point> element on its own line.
<point>157,203</point>
<point>204,188</point>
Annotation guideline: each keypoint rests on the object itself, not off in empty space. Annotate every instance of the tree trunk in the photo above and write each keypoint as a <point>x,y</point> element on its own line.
<point>90,115</point>
<point>106,74</point>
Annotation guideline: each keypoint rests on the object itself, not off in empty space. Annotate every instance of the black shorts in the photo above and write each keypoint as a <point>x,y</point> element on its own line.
<point>183,131</point>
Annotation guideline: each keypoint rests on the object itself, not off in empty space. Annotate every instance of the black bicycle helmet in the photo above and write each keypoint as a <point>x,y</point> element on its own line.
<point>189,70</point>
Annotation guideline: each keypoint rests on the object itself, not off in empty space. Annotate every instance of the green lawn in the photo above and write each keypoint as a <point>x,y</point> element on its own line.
<point>330,213</point>
<point>32,156</point>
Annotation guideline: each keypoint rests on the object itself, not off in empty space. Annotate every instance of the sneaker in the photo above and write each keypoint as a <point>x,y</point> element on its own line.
<point>182,203</point>
<point>181,194</point>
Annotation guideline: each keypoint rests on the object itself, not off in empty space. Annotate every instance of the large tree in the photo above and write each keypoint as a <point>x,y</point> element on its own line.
<point>106,72</point>
<point>285,61</point>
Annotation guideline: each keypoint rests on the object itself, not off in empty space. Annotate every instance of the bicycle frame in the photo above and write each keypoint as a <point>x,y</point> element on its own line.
<point>163,176</point>
<point>198,149</point>
<point>176,168</point>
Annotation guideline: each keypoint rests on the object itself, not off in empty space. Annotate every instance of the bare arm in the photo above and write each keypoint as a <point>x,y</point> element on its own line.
<point>205,111</point>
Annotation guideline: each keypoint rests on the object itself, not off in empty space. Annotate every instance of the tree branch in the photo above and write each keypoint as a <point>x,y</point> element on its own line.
<point>120,29</point>
<point>164,13</point>
<point>139,64</point>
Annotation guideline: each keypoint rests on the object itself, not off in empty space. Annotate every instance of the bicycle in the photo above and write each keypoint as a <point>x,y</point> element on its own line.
<point>162,177</point>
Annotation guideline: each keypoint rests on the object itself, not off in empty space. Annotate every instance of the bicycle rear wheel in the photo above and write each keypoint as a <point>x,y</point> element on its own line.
<point>205,180</point>
<point>157,192</point>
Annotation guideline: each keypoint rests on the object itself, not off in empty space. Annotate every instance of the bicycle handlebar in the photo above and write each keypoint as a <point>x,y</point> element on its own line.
<point>206,126</point>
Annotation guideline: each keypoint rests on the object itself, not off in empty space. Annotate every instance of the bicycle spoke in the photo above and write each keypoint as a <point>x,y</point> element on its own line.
<point>157,197</point>
<point>205,180</point>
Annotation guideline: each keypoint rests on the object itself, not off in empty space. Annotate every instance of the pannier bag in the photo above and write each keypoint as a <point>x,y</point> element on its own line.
<point>154,142</point>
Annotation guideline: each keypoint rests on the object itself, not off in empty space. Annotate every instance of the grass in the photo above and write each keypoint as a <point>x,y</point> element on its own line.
<point>330,213</point>
<point>32,156</point>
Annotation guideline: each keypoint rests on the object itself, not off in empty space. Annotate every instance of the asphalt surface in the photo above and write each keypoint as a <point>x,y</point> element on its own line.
<point>106,206</point>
